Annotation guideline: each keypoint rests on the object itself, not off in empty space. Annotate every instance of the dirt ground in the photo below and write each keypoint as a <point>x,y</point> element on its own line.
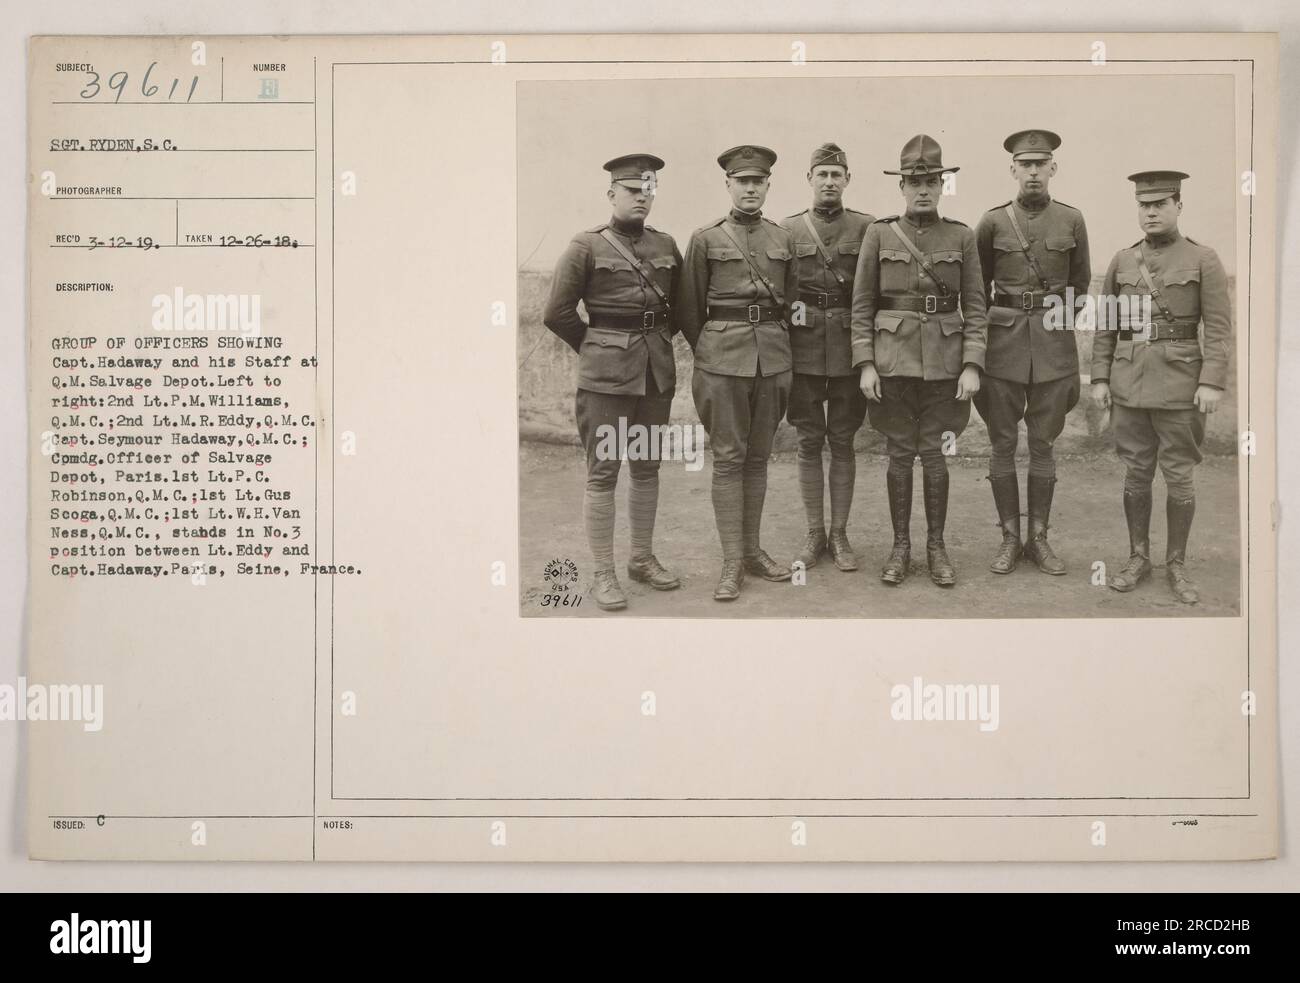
<point>1087,525</point>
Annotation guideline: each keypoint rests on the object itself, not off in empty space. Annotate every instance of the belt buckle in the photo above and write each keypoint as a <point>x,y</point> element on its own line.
<point>755,312</point>
<point>931,303</point>
<point>1027,300</point>
<point>647,320</point>
<point>824,300</point>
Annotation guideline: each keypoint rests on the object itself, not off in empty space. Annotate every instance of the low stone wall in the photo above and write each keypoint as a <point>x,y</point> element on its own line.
<point>548,372</point>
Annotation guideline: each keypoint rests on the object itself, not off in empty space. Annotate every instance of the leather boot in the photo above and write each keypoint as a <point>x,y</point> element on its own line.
<point>762,565</point>
<point>733,575</point>
<point>607,591</point>
<point>648,570</point>
<point>1179,516</point>
<point>935,488</point>
<point>1040,507</point>
<point>813,548</point>
<point>1137,511</point>
<point>1006,497</point>
<point>899,489</point>
<point>841,552</point>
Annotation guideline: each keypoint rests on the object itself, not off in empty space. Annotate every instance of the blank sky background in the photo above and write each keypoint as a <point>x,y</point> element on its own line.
<point>1111,126</point>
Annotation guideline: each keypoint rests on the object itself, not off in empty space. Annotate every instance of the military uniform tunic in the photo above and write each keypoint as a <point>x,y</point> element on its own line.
<point>1020,348</point>
<point>739,283</point>
<point>1031,368</point>
<point>739,262</point>
<point>1153,382</point>
<point>626,369</point>
<point>821,342</point>
<point>591,270</point>
<point>825,400</point>
<point>914,343</point>
<point>918,354</point>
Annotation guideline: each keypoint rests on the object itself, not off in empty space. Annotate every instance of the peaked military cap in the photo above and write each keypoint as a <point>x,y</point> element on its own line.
<point>1157,185</point>
<point>631,169</point>
<point>747,160</point>
<point>921,155</point>
<point>829,154</point>
<point>1032,144</point>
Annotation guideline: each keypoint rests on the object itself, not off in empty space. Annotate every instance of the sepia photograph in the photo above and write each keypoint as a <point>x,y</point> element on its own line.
<point>879,347</point>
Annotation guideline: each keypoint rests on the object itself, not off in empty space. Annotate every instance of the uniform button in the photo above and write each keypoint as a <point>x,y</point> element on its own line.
<point>753,253</point>
<point>924,319</point>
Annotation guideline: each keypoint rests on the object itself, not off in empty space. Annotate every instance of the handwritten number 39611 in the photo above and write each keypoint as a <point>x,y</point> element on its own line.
<point>118,80</point>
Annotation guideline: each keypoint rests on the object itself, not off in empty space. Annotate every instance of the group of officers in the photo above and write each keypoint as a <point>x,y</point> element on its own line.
<point>833,315</point>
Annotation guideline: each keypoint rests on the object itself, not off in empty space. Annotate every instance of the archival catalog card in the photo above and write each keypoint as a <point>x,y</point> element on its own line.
<point>653,448</point>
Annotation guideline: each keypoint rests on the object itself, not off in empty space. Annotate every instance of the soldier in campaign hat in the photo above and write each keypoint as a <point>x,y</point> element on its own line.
<point>1034,256</point>
<point>826,405</point>
<point>739,283</point>
<point>1161,367</point>
<point>918,339</point>
<point>627,275</point>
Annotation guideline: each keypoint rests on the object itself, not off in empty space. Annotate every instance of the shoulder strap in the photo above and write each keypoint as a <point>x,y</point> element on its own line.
<point>925,264</point>
<point>757,272</point>
<point>628,255</point>
<point>1024,247</point>
<point>1152,283</point>
<point>826,257</point>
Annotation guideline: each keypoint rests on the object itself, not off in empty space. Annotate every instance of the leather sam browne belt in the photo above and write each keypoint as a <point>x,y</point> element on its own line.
<point>643,322</point>
<point>754,313</point>
<point>1164,331</point>
<point>1027,300</point>
<point>824,301</point>
<point>921,303</point>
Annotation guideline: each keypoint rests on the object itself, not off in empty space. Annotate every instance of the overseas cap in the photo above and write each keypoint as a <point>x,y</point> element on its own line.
<point>746,160</point>
<point>921,155</point>
<point>630,169</point>
<point>1032,144</point>
<point>829,154</point>
<point>1156,185</point>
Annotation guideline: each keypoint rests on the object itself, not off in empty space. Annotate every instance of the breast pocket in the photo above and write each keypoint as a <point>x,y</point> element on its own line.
<point>1059,251</point>
<point>728,273</point>
<point>810,261</point>
<point>947,264</point>
<point>662,269</point>
<point>1183,291</point>
<point>613,272</point>
<point>1130,309</point>
<point>896,271</point>
<point>846,259</point>
<point>774,274</point>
